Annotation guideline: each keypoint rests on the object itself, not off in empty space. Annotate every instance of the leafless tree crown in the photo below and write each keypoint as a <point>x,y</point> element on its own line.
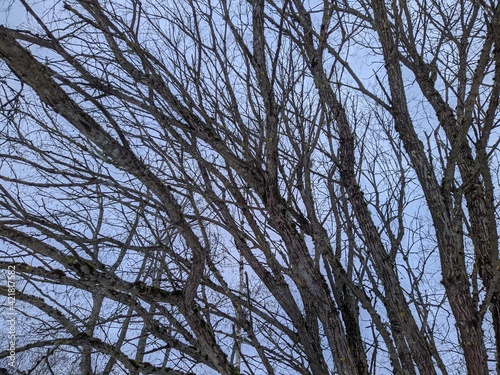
<point>251,187</point>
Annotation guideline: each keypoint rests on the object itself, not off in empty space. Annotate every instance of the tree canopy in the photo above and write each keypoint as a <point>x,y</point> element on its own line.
<point>251,187</point>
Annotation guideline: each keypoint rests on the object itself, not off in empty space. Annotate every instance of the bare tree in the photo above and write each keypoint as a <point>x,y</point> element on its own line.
<point>253,187</point>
